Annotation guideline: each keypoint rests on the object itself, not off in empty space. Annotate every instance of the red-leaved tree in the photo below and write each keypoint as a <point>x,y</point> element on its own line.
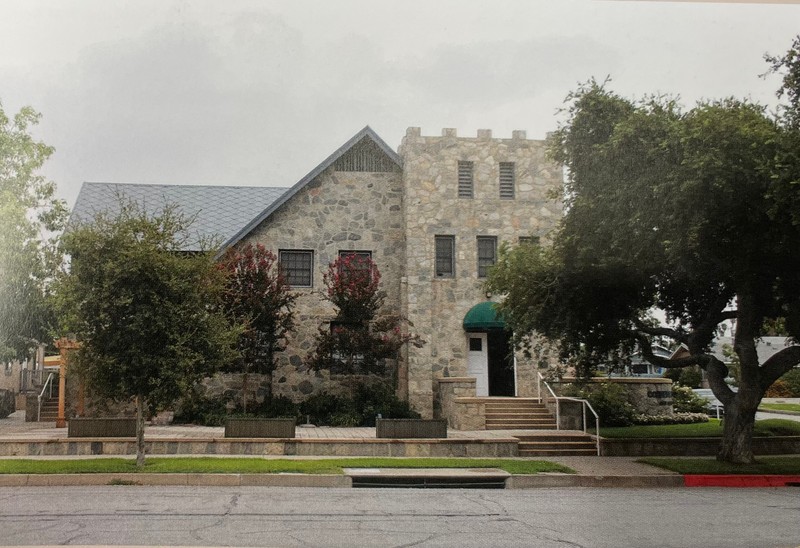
<point>360,339</point>
<point>258,300</point>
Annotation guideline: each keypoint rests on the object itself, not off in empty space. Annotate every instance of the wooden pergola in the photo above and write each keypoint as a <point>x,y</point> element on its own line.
<point>64,345</point>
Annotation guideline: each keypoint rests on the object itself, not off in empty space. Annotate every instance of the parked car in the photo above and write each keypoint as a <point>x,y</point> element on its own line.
<point>715,407</point>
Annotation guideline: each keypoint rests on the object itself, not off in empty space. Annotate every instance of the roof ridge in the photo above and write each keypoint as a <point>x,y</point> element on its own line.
<point>180,185</point>
<point>366,131</point>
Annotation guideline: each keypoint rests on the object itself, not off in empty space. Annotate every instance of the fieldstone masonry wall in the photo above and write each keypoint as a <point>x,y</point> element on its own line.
<point>338,211</point>
<point>436,306</point>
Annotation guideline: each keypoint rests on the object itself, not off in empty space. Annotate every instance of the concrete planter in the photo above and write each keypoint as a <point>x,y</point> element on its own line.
<point>260,428</point>
<point>411,428</point>
<point>117,427</point>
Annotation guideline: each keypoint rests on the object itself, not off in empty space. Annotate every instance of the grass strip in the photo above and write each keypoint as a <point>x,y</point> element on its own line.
<point>233,465</point>
<point>781,407</point>
<point>763,465</point>
<point>710,429</point>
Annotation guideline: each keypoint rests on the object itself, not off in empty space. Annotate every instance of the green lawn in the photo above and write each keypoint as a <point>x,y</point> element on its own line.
<point>178,465</point>
<point>710,429</point>
<point>780,407</point>
<point>764,465</point>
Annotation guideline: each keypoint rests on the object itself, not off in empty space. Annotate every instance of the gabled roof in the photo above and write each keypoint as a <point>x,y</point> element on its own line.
<point>367,132</point>
<point>766,347</point>
<point>219,211</point>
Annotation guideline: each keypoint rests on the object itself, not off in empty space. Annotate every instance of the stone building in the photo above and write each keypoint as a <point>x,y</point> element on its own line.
<point>431,216</point>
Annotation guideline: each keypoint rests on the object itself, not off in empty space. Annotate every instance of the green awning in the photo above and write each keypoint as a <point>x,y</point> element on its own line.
<point>483,317</point>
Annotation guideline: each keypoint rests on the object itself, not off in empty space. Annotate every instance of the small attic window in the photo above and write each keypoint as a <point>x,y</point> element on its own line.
<point>365,155</point>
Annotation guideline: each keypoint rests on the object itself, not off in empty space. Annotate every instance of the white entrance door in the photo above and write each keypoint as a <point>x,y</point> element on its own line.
<point>478,364</point>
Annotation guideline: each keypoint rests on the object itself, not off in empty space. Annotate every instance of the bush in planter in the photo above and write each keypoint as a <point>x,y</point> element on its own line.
<point>684,400</point>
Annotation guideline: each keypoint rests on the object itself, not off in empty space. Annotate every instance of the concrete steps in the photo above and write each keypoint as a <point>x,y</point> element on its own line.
<point>561,444</point>
<point>517,414</point>
<point>49,410</point>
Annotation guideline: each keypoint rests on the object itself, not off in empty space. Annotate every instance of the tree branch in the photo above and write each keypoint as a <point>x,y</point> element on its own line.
<point>679,336</point>
<point>778,364</point>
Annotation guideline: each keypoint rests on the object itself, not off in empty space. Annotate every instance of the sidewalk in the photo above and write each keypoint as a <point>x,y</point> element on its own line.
<point>607,471</point>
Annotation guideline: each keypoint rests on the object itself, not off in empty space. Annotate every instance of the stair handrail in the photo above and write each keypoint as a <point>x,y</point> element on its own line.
<point>584,405</point>
<point>47,383</point>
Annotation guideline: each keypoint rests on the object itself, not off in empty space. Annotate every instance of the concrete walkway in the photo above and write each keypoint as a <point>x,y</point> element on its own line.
<point>14,428</point>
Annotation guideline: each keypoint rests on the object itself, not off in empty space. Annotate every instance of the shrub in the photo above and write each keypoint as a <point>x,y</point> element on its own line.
<point>321,407</point>
<point>677,418</point>
<point>779,389</point>
<point>609,400</point>
<point>792,380</point>
<point>195,409</point>
<point>684,400</point>
<point>276,406</point>
<point>686,376</point>
<point>368,401</point>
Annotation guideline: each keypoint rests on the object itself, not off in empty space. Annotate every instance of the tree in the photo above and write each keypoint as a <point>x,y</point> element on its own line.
<point>257,299</point>
<point>690,211</point>
<point>145,312</point>
<point>29,218</point>
<point>360,340</point>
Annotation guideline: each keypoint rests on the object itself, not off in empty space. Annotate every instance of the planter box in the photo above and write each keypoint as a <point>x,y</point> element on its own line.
<point>118,427</point>
<point>411,428</point>
<point>260,428</point>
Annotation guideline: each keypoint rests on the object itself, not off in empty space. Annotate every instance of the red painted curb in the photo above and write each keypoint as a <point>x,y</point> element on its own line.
<point>741,480</point>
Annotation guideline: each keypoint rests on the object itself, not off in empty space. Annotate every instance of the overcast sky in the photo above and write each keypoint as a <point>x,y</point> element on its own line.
<point>259,92</point>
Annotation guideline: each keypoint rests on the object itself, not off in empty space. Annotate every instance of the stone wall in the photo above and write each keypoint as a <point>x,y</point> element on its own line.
<point>230,386</point>
<point>436,306</point>
<point>448,389</point>
<point>337,211</point>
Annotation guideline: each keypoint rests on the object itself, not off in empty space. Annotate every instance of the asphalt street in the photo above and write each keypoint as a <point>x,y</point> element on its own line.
<point>133,515</point>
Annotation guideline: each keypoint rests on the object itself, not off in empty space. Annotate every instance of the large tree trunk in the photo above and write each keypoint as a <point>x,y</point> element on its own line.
<point>139,432</point>
<point>737,430</point>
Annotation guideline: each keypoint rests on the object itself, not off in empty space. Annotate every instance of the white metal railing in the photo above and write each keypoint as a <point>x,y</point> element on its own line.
<point>48,384</point>
<point>558,399</point>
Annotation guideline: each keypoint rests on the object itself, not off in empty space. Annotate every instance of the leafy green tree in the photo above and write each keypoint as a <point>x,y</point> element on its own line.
<point>146,313</point>
<point>29,218</point>
<point>690,211</point>
<point>258,300</point>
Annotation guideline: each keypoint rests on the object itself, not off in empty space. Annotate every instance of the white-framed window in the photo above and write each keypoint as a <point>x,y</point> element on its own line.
<point>465,180</point>
<point>445,256</point>
<point>487,254</point>
<point>298,266</point>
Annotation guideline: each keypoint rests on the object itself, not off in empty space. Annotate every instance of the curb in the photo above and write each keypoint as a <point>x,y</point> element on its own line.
<point>741,480</point>
<point>537,481</point>
<point>316,480</point>
<point>577,480</point>
<point>196,480</point>
<point>776,412</point>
